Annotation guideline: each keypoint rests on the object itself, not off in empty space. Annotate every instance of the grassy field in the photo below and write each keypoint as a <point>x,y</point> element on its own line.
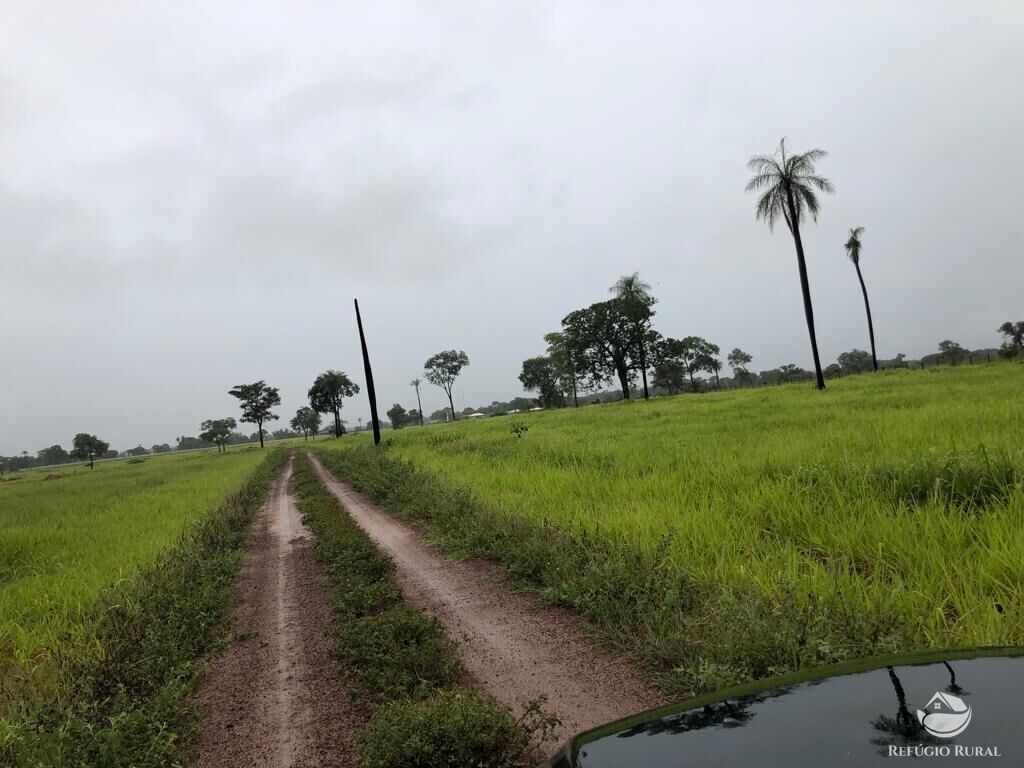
<point>732,535</point>
<point>63,541</point>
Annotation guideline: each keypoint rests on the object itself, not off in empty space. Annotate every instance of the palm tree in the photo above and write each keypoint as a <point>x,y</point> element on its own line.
<point>632,289</point>
<point>789,183</point>
<point>853,251</point>
<point>416,383</point>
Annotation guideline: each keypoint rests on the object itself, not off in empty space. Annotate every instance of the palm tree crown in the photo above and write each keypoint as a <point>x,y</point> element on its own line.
<point>853,244</point>
<point>789,183</point>
<point>630,287</point>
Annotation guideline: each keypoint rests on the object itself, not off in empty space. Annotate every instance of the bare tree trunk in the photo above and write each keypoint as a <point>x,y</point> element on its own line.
<point>794,228</point>
<point>643,369</point>
<point>867,308</point>
<point>259,426</point>
<point>450,403</point>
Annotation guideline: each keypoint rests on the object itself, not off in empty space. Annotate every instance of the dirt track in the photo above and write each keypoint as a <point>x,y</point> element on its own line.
<point>513,646</point>
<point>274,697</point>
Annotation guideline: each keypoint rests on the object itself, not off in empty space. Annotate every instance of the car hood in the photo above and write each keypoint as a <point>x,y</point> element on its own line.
<point>958,705</point>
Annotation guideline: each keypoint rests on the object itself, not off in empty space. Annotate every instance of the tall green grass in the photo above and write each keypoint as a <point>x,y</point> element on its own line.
<point>63,541</point>
<point>120,693</point>
<point>732,535</point>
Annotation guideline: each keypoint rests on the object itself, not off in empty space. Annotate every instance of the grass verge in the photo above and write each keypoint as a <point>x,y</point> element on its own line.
<point>122,696</point>
<point>400,662</point>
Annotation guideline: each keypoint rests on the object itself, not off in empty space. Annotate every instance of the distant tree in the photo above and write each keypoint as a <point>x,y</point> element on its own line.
<point>833,371</point>
<point>789,373</point>
<point>256,400</point>
<point>419,405</point>
<point>284,434</point>
<point>442,414</point>
<point>1013,343</point>
<point>442,369</point>
<point>952,350</point>
<point>602,341</point>
<point>398,416</point>
<point>540,375</point>
<point>853,246</point>
<point>739,361</point>
<point>634,291</point>
<point>188,443</point>
<point>136,451</point>
<point>306,421</point>
<point>161,448</point>
<point>561,354</point>
<point>789,183</point>
<point>327,393</point>
<point>217,431</point>
<point>856,361</point>
<point>707,358</point>
<point>52,455</point>
<point>670,371</point>
<point>85,445</point>
<point>415,417</point>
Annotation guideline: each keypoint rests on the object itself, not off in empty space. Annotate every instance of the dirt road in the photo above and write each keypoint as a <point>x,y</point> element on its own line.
<point>513,646</point>
<point>274,697</point>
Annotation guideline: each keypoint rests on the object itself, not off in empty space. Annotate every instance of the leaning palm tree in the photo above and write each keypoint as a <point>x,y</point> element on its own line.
<point>853,251</point>
<point>631,289</point>
<point>416,383</point>
<point>789,183</point>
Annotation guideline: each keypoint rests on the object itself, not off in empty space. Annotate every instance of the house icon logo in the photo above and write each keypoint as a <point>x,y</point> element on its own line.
<point>945,715</point>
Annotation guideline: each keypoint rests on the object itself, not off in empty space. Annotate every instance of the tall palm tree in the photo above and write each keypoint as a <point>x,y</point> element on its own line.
<point>853,246</point>
<point>631,288</point>
<point>416,383</point>
<point>789,183</point>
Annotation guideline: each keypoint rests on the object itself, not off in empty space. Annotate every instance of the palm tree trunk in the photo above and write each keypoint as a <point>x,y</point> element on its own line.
<point>794,228</point>
<point>643,369</point>
<point>419,405</point>
<point>867,308</point>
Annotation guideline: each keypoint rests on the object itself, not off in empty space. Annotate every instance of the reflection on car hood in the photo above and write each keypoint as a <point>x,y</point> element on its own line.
<point>958,705</point>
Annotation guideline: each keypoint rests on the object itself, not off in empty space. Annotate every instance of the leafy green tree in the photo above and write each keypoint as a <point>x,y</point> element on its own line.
<point>856,361</point>
<point>136,451</point>
<point>540,375</point>
<point>602,341</point>
<point>161,448</point>
<point>952,350</point>
<point>560,351</point>
<point>256,400</point>
<point>670,372</point>
<point>52,455</point>
<point>398,416</point>
<point>853,246</point>
<point>633,291</point>
<point>790,373</point>
<point>327,393</point>
<point>83,445</point>
<point>1013,343</point>
<point>306,421</point>
<point>217,431</point>
<point>419,405</point>
<point>740,361</point>
<point>789,183</point>
<point>833,371</point>
<point>442,369</point>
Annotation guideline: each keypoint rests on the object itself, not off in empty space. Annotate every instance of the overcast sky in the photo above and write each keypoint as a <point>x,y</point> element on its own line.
<point>192,193</point>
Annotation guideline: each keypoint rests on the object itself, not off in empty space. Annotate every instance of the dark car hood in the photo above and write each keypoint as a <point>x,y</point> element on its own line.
<point>855,715</point>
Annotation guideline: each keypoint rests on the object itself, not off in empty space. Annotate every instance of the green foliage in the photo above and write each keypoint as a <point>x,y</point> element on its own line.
<point>85,445</point>
<point>457,727</point>
<point>855,361</point>
<point>122,690</point>
<point>306,421</point>
<point>442,369</point>
<point>746,532</point>
<point>329,389</point>
<point>1013,339</point>
<point>217,431</point>
<point>518,428</point>
<point>603,340</point>
<point>256,400</point>
<point>398,416</point>
<point>540,374</point>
